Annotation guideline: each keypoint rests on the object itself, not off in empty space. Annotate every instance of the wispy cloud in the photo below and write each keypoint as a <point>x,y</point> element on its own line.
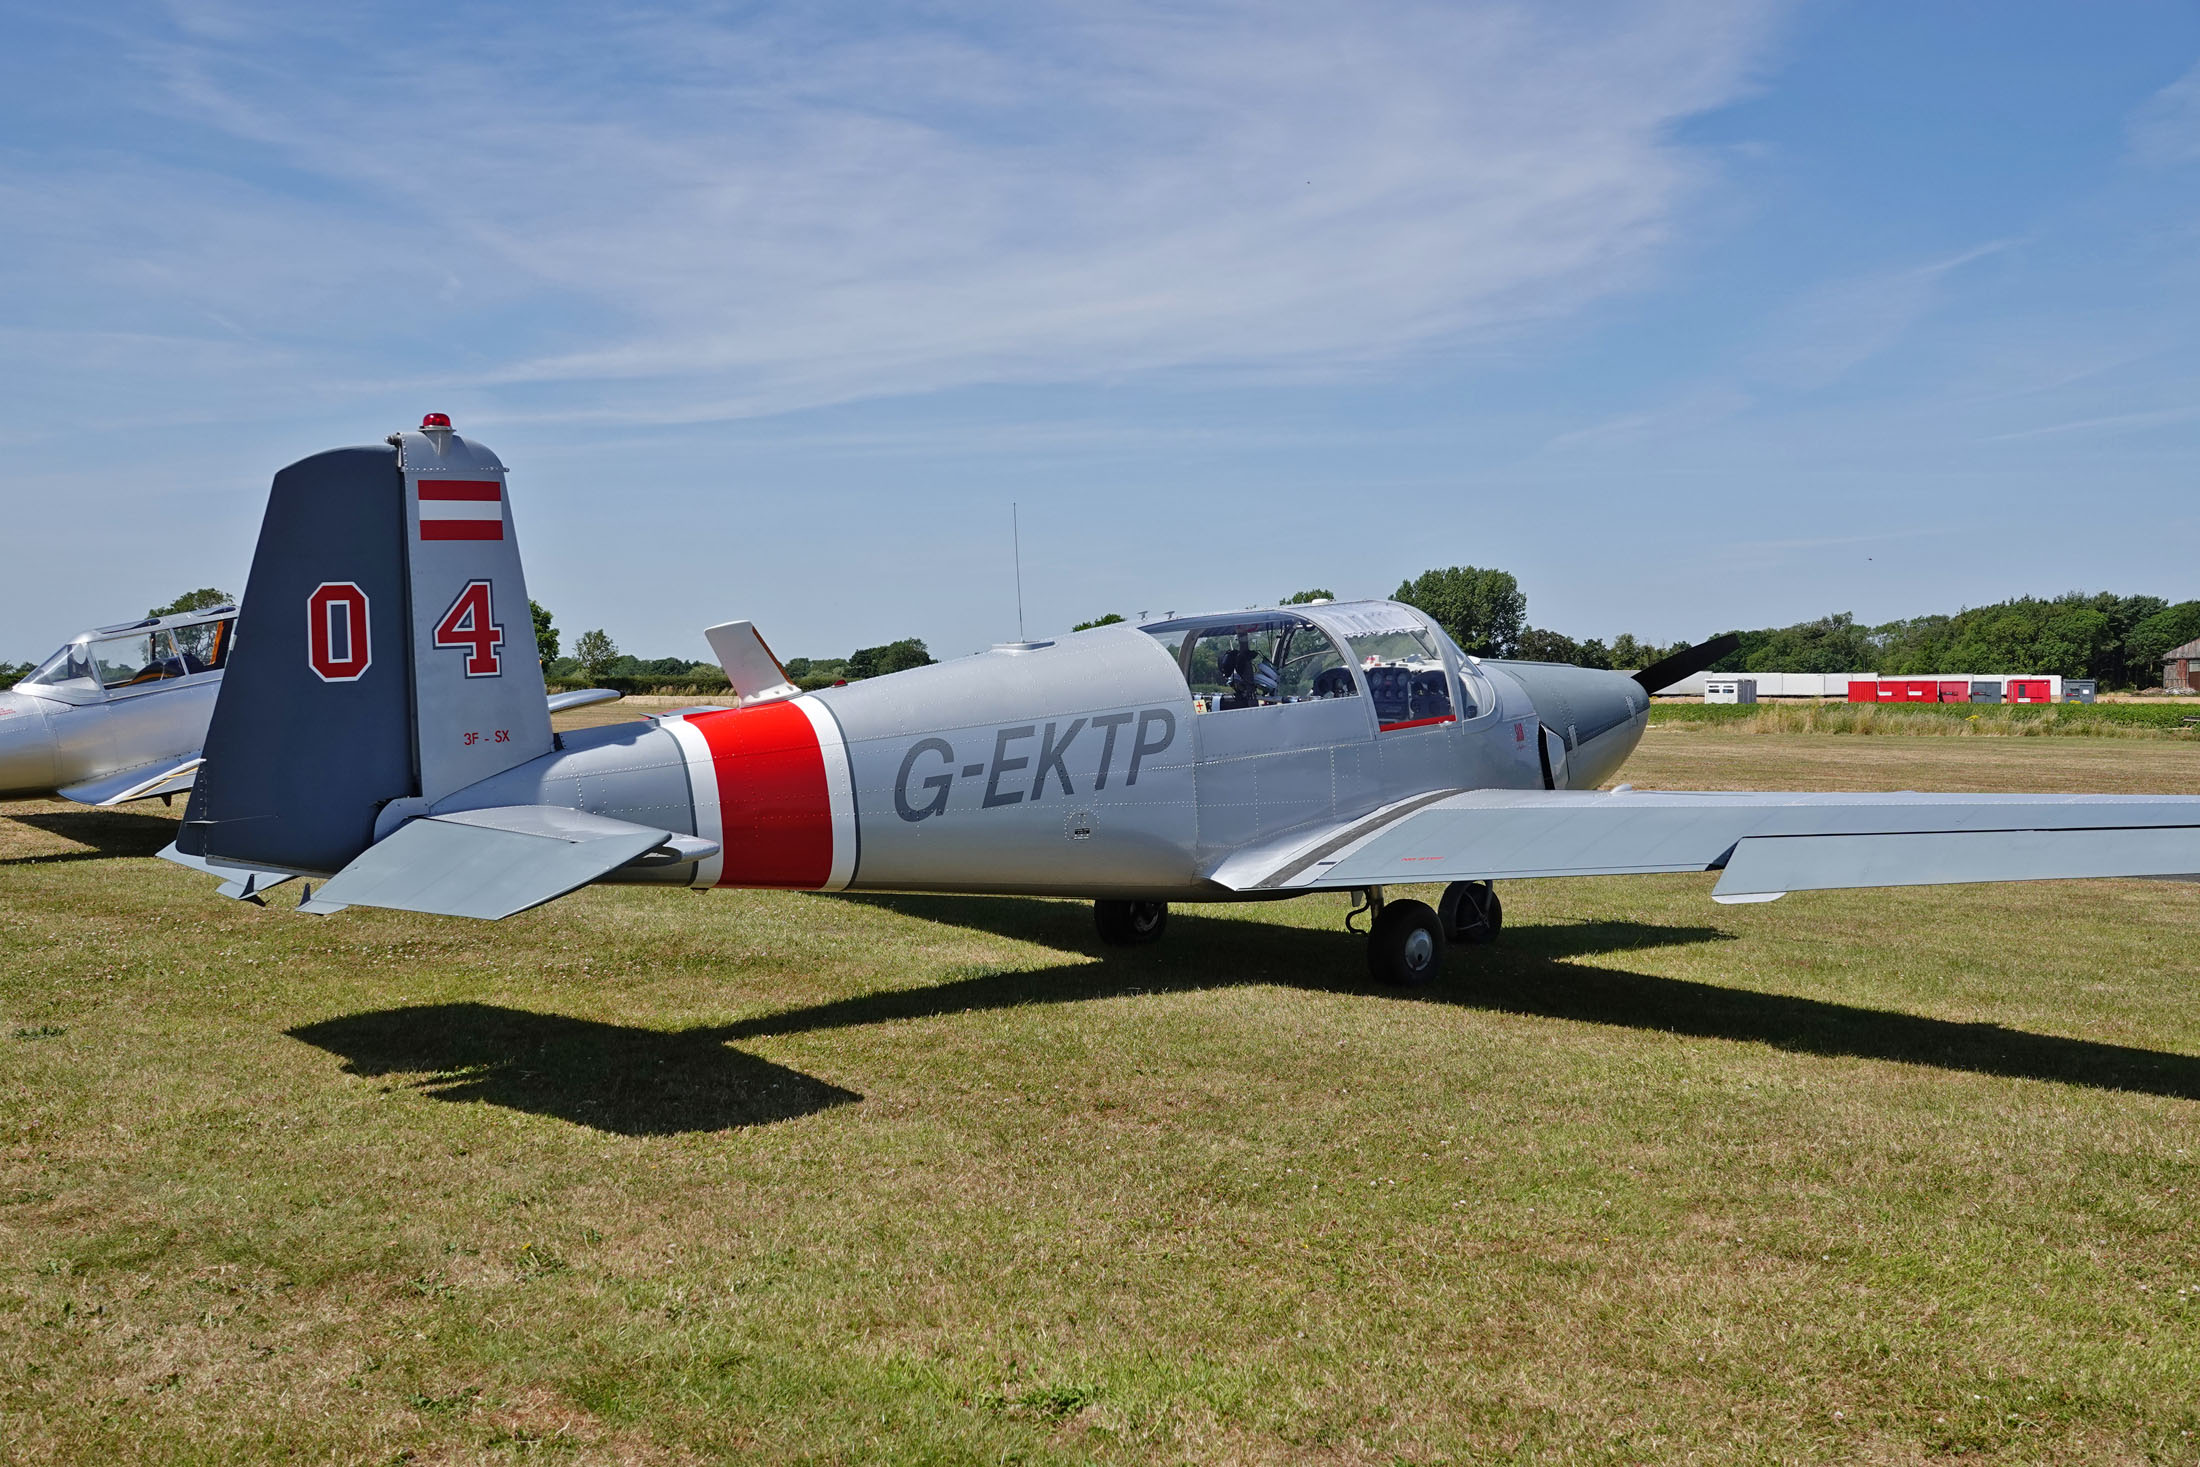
<point>2110,423</point>
<point>2165,131</point>
<point>1840,326</point>
<point>671,215</point>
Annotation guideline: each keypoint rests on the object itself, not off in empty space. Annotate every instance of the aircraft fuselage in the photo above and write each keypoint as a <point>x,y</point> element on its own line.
<point>1086,767</point>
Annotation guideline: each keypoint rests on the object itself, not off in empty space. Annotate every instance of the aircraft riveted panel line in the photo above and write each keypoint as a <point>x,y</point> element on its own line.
<point>480,704</point>
<point>703,790</point>
<point>774,801</point>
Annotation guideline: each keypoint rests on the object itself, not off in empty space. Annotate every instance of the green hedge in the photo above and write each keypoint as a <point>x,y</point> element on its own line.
<point>653,686</point>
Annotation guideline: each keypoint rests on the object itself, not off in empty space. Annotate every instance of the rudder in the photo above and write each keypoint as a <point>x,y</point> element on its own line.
<point>387,660</point>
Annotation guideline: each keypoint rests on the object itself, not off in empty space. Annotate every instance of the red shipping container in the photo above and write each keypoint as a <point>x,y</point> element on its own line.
<point>1954,692</point>
<point>2028,690</point>
<point>1920,690</point>
<point>1863,692</point>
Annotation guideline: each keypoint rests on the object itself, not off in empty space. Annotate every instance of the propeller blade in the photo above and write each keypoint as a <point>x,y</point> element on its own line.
<point>1670,670</point>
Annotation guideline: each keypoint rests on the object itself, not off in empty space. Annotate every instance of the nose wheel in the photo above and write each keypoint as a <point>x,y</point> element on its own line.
<point>1130,924</point>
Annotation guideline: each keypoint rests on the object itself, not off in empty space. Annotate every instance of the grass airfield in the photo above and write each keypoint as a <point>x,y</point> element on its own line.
<point>647,1176</point>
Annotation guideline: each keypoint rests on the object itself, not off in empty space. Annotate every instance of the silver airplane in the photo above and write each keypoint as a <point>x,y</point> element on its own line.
<point>119,713</point>
<point>381,732</point>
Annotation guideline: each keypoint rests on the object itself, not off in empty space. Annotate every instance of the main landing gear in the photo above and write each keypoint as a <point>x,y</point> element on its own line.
<point>1130,924</point>
<point>1406,940</point>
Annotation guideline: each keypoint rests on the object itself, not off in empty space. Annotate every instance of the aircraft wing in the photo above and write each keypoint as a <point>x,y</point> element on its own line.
<point>493,863</point>
<point>1764,844</point>
<point>174,776</point>
<point>164,777</point>
<point>583,697</point>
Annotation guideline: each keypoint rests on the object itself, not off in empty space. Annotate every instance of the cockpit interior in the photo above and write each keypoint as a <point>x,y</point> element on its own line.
<point>1261,659</point>
<point>117,659</point>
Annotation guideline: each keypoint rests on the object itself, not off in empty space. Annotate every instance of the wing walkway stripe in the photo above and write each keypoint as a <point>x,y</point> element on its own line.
<point>1339,841</point>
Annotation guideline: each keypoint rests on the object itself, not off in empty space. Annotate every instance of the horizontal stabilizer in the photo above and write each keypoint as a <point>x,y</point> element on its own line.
<point>167,777</point>
<point>239,883</point>
<point>583,697</point>
<point>750,667</point>
<point>487,863</point>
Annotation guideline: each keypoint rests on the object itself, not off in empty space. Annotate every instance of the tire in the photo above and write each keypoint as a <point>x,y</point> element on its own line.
<point>1130,924</point>
<point>1406,944</point>
<point>1472,912</point>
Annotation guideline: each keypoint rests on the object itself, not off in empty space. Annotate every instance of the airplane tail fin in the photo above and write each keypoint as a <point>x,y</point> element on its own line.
<point>387,660</point>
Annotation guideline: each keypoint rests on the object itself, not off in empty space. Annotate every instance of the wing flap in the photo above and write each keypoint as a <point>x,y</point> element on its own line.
<point>1768,864</point>
<point>1892,839</point>
<point>486,863</point>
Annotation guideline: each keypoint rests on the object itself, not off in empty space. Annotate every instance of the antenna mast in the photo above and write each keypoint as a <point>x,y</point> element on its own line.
<point>1016,541</point>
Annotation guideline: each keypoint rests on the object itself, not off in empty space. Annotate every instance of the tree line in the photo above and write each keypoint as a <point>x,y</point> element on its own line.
<point>596,658</point>
<point>2119,640</point>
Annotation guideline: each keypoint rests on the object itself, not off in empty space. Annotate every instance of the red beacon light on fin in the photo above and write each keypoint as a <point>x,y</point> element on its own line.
<point>436,422</point>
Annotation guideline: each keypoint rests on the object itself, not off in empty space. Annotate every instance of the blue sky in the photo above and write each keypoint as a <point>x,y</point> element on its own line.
<point>1691,315</point>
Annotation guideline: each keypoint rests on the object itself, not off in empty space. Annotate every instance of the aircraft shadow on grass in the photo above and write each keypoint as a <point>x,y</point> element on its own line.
<point>110,834</point>
<point>647,1082</point>
<point>612,1077</point>
<point>1535,970</point>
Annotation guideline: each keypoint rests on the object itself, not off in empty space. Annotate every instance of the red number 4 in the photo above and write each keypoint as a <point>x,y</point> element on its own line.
<point>470,626</point>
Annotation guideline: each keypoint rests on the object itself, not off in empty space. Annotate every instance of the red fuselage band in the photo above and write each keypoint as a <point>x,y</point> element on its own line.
<point>772,800</point>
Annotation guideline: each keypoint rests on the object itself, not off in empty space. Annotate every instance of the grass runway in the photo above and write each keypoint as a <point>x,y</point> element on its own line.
<point>653,1177</point>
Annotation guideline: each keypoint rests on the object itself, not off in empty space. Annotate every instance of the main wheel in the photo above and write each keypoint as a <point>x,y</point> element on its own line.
<point>1406,944</point>
<point>1471,912</point>
<point>1129,924</point>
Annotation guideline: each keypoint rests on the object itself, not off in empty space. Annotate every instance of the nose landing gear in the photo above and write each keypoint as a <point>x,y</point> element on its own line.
<point>1471,912</point>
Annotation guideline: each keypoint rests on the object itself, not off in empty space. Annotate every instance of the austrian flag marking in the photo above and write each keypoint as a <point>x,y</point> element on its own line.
<point>461,509</point>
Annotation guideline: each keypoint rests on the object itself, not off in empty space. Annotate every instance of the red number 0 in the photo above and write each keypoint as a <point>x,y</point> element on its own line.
<point>337,644</point>
<point>468,625</point>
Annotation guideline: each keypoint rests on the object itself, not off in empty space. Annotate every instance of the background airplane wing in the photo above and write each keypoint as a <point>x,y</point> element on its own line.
<point>1765,844</point>
<point>164,777</point>
<point>583,697</point>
